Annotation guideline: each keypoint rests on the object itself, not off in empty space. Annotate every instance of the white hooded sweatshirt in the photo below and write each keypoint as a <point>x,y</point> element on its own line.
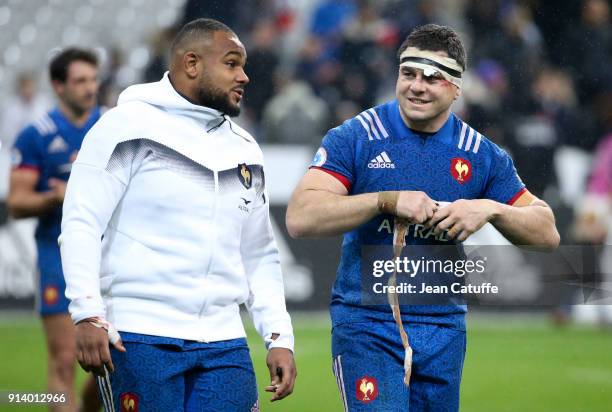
<point>176,192</point>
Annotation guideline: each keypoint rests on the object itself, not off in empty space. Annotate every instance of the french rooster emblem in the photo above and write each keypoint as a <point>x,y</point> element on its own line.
<point>244,173</point>
<point>129,402</point>
<point>367,388</point>
<point>461,169</point>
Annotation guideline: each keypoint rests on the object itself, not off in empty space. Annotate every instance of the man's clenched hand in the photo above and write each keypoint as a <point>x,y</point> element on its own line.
<point>93,352</point>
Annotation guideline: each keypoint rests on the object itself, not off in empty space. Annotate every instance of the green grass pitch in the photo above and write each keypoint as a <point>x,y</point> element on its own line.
<point>511,365</point>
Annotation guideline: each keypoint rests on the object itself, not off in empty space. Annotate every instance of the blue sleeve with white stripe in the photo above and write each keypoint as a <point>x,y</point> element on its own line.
<point>504,184</point>
<point>337,152</point>
<point>372,125</point>
<point>26,152</point>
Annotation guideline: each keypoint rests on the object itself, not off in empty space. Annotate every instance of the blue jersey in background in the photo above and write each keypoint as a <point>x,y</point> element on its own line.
<point>49,146</point>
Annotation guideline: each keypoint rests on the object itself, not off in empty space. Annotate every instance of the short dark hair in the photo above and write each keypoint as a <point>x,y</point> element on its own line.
<point>197,29</point>
<point>58,68</point>
<point>434,37</point>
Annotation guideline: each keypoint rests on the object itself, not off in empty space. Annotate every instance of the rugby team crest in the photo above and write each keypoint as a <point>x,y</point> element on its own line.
<point>16,157</point>
<point>245,175</point>
<point>320,158</point>
<point>461,170</point>
<point>367,389</point>
<point>128,402</point>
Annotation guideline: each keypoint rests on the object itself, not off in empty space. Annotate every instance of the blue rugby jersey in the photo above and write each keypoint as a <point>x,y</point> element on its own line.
<point>49,145</point>
<point>375,151</point>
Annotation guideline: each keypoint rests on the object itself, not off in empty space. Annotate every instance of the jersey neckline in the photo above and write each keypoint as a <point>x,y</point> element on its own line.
<point>445,134</point>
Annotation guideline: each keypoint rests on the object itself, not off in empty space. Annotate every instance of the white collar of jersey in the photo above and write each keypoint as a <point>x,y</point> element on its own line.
<point>431,63</point>
<point>162,94</point>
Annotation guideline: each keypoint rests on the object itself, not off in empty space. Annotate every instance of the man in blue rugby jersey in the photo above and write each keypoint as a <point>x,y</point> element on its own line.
<point>42,158</point>
<point>401,159</point>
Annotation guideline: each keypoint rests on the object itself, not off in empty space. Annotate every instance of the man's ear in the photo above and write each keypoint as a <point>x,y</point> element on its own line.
<point>191,61</point>
<point>457,93</point>
<point>58,87</point>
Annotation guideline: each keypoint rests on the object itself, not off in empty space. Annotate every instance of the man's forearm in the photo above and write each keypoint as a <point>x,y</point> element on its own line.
<point>31,204</point>
<point>321,213</point>
<point>532,225</point>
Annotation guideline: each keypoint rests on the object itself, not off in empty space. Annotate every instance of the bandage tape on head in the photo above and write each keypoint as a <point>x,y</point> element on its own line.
<point>431,63</point>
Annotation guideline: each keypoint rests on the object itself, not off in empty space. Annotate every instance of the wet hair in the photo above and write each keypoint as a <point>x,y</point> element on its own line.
<point>58,68</point>
<point>433,37</point>
<point>195,30</point>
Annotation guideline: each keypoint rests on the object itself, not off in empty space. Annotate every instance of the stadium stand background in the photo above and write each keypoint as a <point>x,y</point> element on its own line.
<point>538,83</point>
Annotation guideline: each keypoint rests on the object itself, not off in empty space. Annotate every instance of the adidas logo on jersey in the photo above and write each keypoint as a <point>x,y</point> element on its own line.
<point>382,161</point>
<point>58,145</point>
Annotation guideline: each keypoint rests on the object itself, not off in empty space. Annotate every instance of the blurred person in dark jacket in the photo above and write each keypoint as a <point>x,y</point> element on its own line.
<point>550,118</point>
<point>587,48</point>
<point>295,114</point>
<point>263,61</point>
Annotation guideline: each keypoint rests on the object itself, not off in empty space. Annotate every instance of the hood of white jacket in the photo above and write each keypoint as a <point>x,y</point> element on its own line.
<point>164,96</point>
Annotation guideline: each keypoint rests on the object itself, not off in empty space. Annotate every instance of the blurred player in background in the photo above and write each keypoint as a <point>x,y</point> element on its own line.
<point>399,159</point>
<point>42,159</point>
<point>593,216</point>
<point>593,223</point>
<point>175,190</point>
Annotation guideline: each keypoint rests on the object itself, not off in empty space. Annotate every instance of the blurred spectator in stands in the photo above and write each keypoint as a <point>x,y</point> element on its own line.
<point>593,222</point>
<point>295,115</point>
<point>318,61</point>
<point>329,18</point>
<point>366,52</point>
<point>483,17</point>
<point>553,18</point>
<point>550,119</point>
<point>159,62</point>
<point>321,72</point>
<point>485,99</point>
<point>253,11</point>
<point>587,48</point>
<point>18,111</point>
<point>518,47</point>
<point>241,16</point>
<point>262,62</point>
<point>407,17</point>
<point>344,110</point>
<point>602,109</point>
<point>22,108</point>
<point>593,226</point>
<point>110,86</point>
<point>226,11</point>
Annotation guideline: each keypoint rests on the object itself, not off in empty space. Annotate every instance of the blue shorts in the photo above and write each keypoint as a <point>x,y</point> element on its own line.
<point>180,376</point>
<point>368,362</point>
<point>51,294</point>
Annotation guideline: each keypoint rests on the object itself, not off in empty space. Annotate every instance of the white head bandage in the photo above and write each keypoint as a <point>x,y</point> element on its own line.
<point>432,63</point>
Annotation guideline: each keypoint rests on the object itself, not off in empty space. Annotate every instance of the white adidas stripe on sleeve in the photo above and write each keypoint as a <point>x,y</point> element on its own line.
<point>379,123</point>
<point>365,126</point>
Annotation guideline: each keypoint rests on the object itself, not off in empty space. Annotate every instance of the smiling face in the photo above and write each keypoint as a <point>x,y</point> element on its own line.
<point>425,99</point>
<point>221,80</point>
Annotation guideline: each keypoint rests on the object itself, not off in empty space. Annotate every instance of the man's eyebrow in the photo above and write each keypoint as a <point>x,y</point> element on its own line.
<point>233,52</point>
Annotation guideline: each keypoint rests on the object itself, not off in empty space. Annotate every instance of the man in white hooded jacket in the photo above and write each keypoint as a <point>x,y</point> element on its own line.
<point>166,231</point>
